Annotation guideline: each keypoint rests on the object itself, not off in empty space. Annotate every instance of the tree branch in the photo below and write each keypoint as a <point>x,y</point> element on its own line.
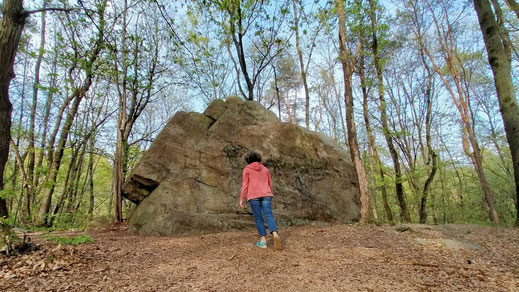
<point>49,9</point>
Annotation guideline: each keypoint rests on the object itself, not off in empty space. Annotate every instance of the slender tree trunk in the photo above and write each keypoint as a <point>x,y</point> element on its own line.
<point>331,69</point>
<point>404,212</point>
<point>19,159</point>
<point>348,63</point>
<point>494,138</point>
<point>238,44</point>
<point>76,179</point>
<point>67,187</point>
<point>122,120</point>
<point>385,202</point>
<point>277,91</point>
<point>90,173</point>
<point>26,210</point>
<point>432,157</point>
<point>34,107</point>
<point>117,215</point>
<point>302,65</point>
<point>477,161</point>
<point>43,219</point>
<point>371,139</point>
<point>499,56</point>
<point>46,115</point>
<point>13,21</point>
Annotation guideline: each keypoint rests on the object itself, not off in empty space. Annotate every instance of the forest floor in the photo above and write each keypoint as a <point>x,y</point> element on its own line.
<point>332,258</point>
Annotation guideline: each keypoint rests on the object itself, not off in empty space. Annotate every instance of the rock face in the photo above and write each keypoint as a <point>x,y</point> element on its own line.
<point>189,181</point>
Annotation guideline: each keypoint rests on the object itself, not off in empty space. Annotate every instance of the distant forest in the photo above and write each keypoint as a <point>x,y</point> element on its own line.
<point>422,93</point>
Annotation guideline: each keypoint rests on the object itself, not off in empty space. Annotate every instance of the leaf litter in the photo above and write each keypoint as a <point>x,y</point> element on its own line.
<point>407,257</point>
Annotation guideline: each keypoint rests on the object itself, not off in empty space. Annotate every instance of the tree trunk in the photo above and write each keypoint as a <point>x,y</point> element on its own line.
<point>371,138</point>
<point>34,107</point>
<point>26,209</point>
<point>477,161</point>
<point>43,219</point>
<point>432,156</point>
<point>13,21</point>
<point>348,64</point>
<point>67,187</point>
<point>122,120</point>
<point>238,44</point>
<point>277,91</point>
<point>498,51</point>
<point>90,174</point>
<point>302,65</point>
<point>404,212</point>
<point>24,177</point>
<point>117,215</point>
<point>46,115</point>
<point>76,181</point>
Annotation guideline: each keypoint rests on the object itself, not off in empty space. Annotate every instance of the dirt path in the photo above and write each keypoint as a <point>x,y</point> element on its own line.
<point>335,258</point>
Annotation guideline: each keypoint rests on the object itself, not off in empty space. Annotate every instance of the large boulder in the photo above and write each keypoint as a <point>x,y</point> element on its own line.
<point>189,180</point>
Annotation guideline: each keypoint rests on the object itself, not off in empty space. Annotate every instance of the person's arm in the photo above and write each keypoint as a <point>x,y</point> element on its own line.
<point>244,187</point>
<point>269,181</point>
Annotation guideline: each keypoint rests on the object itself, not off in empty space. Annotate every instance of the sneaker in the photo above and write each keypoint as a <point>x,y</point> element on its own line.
<point>261,244</point>
<point>277,243</point>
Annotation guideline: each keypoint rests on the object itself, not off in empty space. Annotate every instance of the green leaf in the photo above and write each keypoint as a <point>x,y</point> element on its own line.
<point>7,193</point>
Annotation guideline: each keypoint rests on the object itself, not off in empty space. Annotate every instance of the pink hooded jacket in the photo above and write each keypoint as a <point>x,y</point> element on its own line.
<point>256,182</point>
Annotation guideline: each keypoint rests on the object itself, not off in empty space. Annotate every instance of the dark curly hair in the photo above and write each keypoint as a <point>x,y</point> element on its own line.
<point>252,156</point>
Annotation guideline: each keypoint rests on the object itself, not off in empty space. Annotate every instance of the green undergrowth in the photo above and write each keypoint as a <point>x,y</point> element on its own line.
<point>73,240</point>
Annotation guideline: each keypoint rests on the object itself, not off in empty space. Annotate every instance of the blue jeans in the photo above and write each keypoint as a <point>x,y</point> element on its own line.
<point>257,206</point>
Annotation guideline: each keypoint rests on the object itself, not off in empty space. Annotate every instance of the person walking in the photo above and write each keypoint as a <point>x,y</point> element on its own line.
<point>257,189</point>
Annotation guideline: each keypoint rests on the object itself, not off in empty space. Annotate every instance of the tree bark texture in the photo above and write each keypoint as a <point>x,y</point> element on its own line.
<point>499,58</point>
<point>348,63</point>
<point>11,28</point>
